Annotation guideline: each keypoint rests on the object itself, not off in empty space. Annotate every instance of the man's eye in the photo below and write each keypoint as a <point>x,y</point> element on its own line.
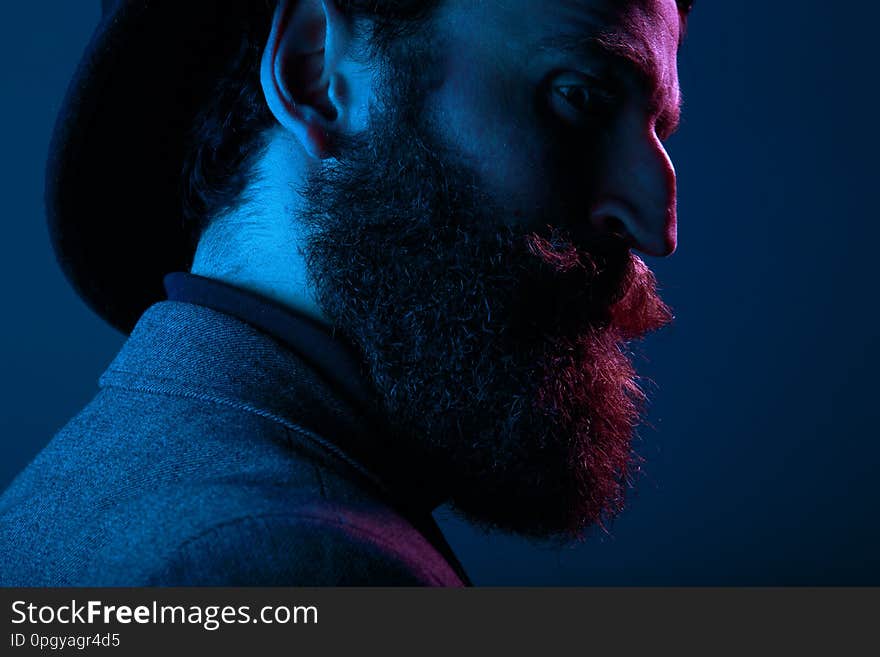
<point>578,97</point>
<point>578,100</point>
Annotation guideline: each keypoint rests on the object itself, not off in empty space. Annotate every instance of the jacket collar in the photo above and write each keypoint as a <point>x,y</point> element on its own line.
<point>281,366</point>
<point>313,342</point>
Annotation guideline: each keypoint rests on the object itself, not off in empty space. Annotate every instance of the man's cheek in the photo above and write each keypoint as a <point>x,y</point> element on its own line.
<point>509,159</point>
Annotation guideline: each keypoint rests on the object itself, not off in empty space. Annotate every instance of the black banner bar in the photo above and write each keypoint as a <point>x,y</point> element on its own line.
<point>415,621</point>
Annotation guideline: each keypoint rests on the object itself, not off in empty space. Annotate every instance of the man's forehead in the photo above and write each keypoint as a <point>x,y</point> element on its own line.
<point>644,32</point>
<point>657,24</point>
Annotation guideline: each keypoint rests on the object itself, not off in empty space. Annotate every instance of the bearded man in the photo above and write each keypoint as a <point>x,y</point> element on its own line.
<point>373,256</point>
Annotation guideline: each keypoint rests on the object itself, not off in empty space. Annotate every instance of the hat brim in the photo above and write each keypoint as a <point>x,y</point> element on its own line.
<point>113,180</point>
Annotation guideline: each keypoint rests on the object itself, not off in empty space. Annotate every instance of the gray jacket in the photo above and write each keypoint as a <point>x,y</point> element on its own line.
<point>214,454</point>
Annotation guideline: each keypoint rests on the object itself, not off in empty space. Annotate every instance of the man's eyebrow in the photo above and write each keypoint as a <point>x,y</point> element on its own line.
<point>610,50</point>
<point>620,55</point>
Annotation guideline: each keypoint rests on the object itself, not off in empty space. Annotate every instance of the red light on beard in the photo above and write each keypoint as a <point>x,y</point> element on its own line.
<point>589,391</point>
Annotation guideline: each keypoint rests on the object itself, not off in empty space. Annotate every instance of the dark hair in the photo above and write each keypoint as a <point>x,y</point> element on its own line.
<point>229,135</point>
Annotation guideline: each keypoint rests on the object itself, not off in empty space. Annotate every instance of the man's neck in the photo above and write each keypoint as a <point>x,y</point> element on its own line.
<point>258,247</point>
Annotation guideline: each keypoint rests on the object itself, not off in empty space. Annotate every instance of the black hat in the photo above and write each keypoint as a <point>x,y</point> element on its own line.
<point>113,180</point>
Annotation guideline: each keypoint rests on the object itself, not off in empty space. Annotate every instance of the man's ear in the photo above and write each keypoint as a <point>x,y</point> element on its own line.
<point>300,73</point>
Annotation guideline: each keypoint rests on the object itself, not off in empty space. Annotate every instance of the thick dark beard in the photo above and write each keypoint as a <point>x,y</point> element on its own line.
<point>498,354</point>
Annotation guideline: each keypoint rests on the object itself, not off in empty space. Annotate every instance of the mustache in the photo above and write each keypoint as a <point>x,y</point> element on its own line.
<point>619,288</point>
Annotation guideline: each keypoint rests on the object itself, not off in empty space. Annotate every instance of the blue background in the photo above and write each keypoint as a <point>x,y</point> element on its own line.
<point>764,441</point>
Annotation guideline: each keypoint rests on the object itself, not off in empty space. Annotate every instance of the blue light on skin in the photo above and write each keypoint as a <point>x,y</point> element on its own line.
<point>500,61</point>
<point>257,247</point>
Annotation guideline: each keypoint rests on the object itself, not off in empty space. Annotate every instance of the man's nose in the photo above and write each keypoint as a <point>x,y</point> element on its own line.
<point>636,194</point>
